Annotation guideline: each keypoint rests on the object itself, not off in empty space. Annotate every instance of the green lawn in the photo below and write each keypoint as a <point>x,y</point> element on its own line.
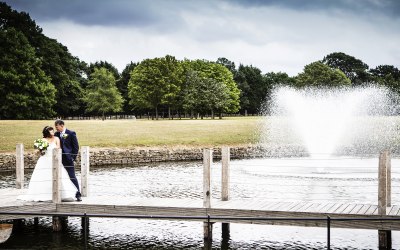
<point>142,133</point>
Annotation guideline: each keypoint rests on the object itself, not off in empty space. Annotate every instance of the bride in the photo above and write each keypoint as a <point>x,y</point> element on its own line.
<point>40,184</point>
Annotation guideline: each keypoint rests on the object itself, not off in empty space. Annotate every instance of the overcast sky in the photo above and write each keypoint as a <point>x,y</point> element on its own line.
<point>275,35</point>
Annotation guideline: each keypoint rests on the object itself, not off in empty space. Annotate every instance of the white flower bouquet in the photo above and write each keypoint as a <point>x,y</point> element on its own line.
<point>41,144</point>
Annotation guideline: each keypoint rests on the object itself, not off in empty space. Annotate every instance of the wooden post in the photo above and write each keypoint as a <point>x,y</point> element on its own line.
<point>389,181</point>
<point>385,239</point>
<point>19,167</point>
<point>225,173</point>
<point>384,197</point>
<point>384,182</point>
<point>57,175</point>
<point>207,162</point>
<point>85,165</point>
<point>225,181</point>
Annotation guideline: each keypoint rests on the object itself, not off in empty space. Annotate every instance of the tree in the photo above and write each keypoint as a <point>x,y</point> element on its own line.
<point>102,95</point>
<point>317,74</point>
<point>219,73</point>
<point>204,94</point>
<point>228,64</point>
<point>26,92</point>
<point>353,68</point>
<point>147,88</point>
<point>65,71</point>
<point>172,70</point>
<point>253,88</point>
<point>155,82</point>
<point>387,75</point>
<point>122,85</point>
<point>103,64</point>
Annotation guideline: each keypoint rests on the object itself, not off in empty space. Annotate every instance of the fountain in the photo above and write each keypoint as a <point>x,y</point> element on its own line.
<point>325,122</point>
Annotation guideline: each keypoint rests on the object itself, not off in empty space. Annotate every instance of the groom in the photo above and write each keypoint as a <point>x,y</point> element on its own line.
<point>70,148</point>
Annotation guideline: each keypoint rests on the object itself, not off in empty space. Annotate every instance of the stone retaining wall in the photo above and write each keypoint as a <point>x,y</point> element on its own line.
<point>106,157</point>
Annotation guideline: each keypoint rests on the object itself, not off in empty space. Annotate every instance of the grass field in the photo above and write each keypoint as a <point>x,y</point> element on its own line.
<point>138,133</point>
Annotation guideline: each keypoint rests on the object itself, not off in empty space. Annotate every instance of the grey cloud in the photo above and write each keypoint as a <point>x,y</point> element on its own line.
<point>101,12</point>
<point>359,7</point>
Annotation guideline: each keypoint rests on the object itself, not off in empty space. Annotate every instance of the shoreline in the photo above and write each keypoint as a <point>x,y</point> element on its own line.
<point>129,156</point>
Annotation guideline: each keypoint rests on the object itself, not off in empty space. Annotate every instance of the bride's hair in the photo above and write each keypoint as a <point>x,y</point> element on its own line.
<point>46,131</point>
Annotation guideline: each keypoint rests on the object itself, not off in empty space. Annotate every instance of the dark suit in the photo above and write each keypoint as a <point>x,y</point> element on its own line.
<point>70,148</point>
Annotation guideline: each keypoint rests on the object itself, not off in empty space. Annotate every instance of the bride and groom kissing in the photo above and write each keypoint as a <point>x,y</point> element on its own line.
<point>40,184</point>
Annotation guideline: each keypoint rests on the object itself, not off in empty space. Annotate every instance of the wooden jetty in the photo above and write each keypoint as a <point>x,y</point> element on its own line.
<point>222,210</point>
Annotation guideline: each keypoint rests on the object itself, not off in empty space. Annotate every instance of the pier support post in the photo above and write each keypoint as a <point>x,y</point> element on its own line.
<point>384,197</point>
<point>207,162</point>
<point>19,167</point>
<point>85,164</point>
<point>225,181</point>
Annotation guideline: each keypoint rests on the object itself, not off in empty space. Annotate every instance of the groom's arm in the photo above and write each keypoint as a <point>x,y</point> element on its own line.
<point>75,145</point>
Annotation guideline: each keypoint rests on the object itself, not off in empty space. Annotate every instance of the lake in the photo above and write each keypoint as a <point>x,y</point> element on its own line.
<point>339,179</point>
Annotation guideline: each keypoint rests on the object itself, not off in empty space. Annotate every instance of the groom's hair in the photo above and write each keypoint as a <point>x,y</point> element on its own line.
<point>59,122</point>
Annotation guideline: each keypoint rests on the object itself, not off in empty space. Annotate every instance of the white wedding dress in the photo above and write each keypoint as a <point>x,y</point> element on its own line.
<point>41,182</point>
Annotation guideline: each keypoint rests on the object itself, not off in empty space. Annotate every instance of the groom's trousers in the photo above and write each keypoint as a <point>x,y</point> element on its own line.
<point>71,172</point>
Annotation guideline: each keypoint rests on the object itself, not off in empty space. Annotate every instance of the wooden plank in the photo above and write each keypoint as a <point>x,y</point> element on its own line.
<point>371,210</point>
<point>348,209</point>
<point>304,207</point>
<point>325,208</point>
<point>340,209</point>
<point>314,208</point>
<point>394,210</point>
<point>356,209</point>
<point>364,209</point>
<point>294,208</point>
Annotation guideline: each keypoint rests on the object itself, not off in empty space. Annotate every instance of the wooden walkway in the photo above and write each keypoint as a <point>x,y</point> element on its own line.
<point>233,208</point>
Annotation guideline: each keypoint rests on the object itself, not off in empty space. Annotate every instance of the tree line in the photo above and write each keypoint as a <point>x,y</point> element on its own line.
<point>39,79</point>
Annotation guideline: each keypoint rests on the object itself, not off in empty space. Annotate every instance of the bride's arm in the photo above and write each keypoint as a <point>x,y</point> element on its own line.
<point>57,142</point>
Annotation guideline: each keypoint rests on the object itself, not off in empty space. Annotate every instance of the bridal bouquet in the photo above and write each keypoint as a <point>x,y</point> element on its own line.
<point>41,144</point>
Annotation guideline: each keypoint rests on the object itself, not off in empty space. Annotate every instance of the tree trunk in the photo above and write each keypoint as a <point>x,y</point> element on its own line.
<point>212,114</point>
<point>169,112</point>
<point>156,113</point>
<point>103,117</point>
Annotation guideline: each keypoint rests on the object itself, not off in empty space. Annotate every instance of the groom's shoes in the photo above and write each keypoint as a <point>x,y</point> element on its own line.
<point>78,196</point>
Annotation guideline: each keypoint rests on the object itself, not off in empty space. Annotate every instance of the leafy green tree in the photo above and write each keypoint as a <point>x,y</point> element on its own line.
<point>65,71</point>
<point>353,68</point>
<point>387,75</point>
<point>103,64</point>
<point>317,74</point>
<point>228,64</point>
<point>204,94</point>
<point>155,82</point>
<point>219,73</point>
<point>102,95</point>
<point>122,85</point>
<point>172,70</point>
<point>147,88</point>
<point>253,88</point>
<point>26,91</point>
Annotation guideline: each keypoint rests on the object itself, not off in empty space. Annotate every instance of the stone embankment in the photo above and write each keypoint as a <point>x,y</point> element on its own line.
<point>112,157</point>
